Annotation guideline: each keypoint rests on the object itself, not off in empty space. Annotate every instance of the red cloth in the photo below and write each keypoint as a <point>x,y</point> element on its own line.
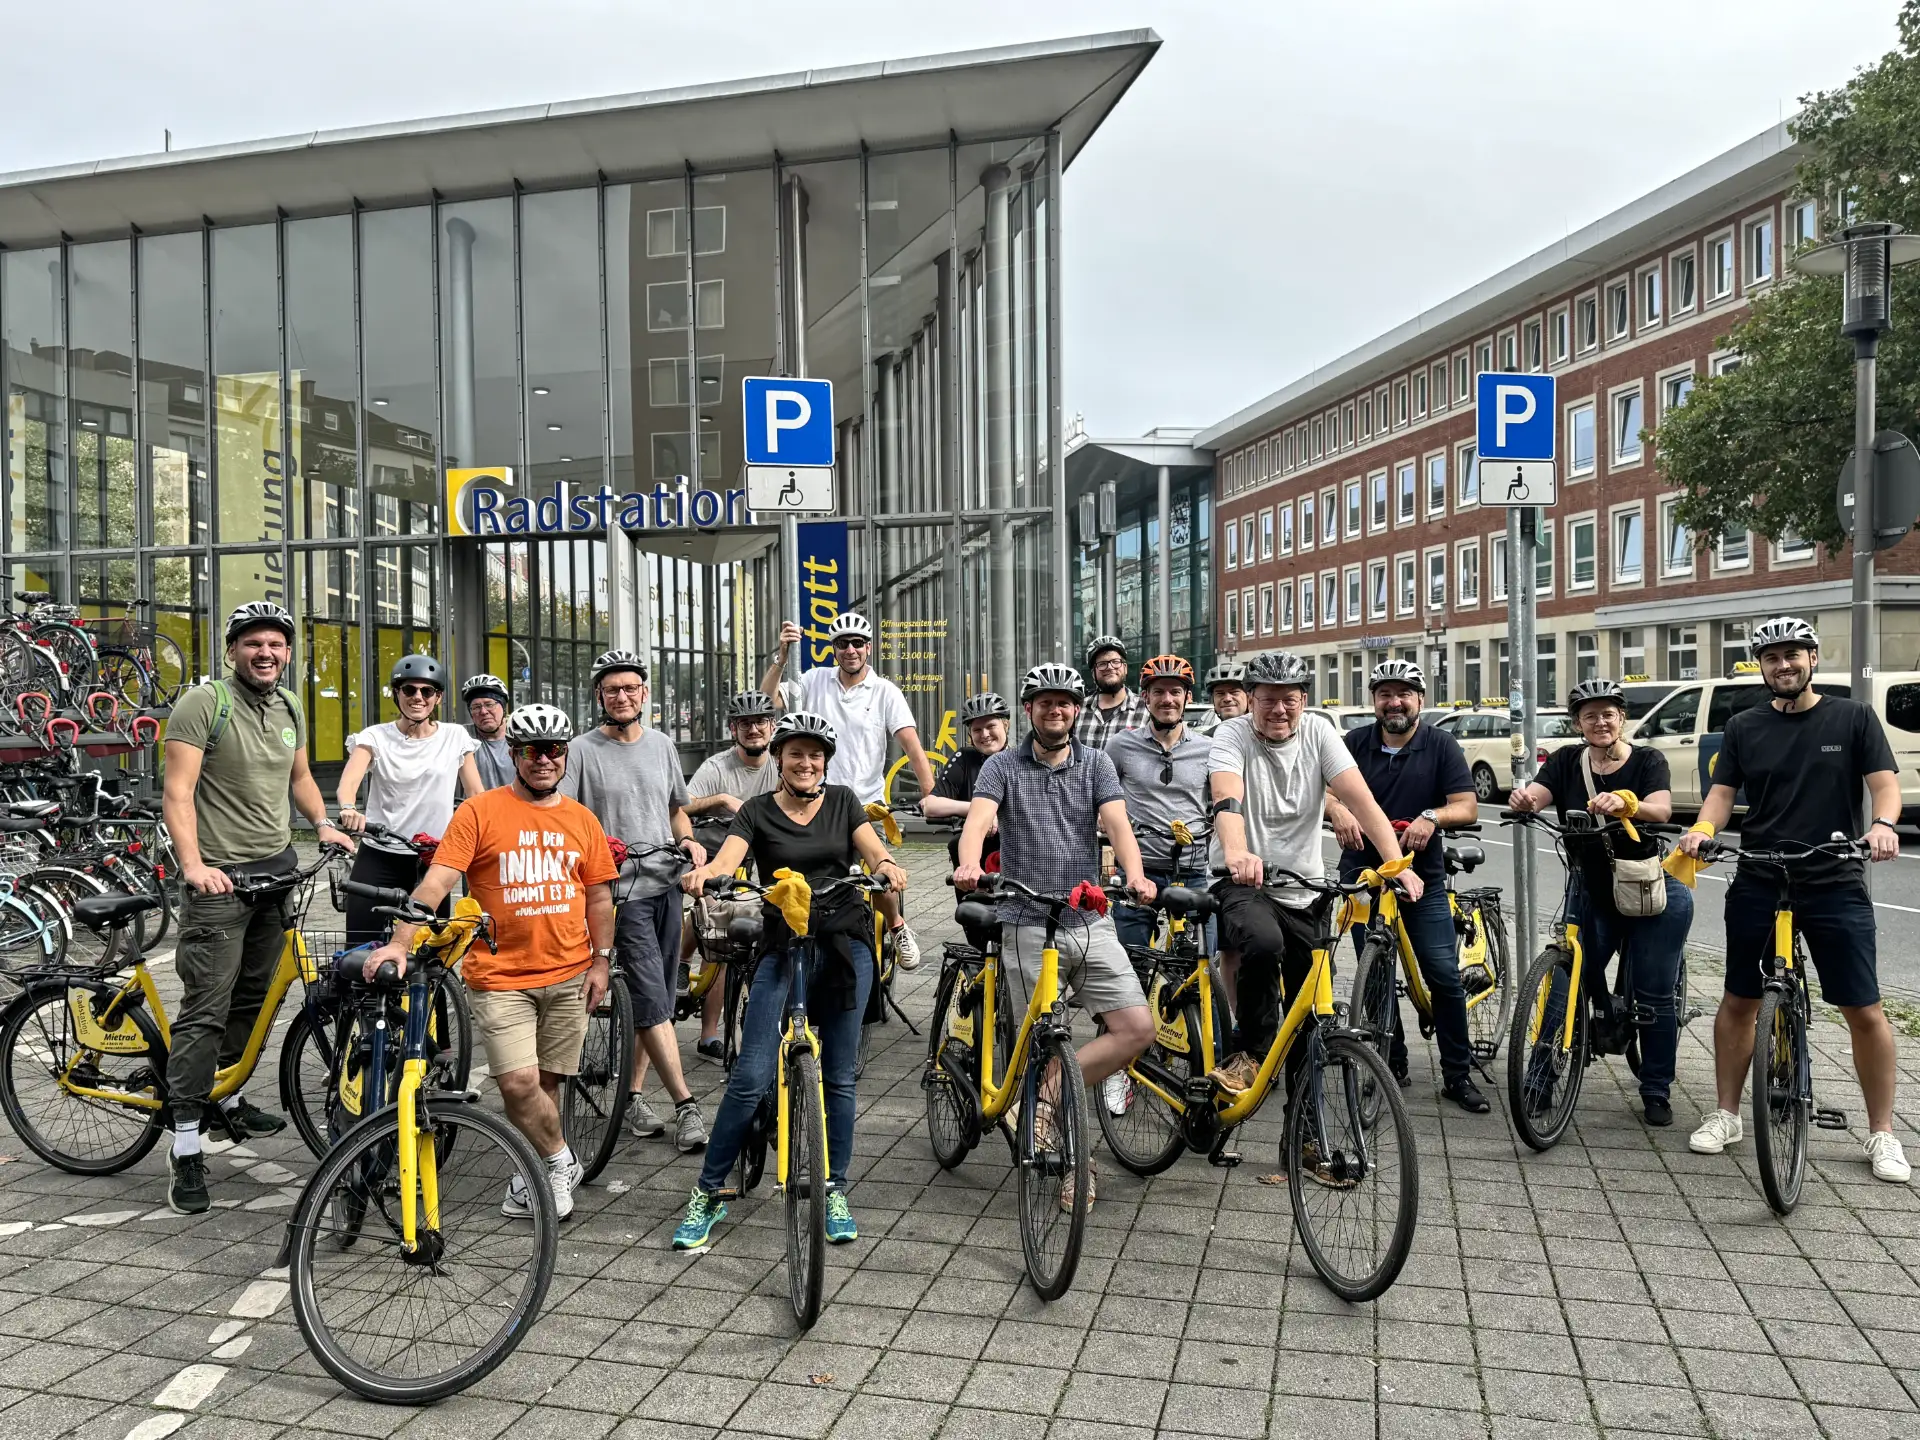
<point>1088,896</point>
<point>617,848</point>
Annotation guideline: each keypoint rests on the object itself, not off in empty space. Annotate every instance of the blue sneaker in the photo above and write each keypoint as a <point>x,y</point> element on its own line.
<point>840,1226</point>
<point>704,1211</point>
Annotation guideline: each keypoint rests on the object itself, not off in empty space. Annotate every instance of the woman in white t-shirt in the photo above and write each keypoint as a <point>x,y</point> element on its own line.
<point>410,766</point>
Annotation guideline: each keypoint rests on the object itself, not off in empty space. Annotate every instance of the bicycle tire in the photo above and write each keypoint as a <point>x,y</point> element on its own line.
<point>71,648</point>
<point>119,673</point>
<point>366,1149</point>
<point>168,670</point>
<point>453,1030</point>
<point>1375,1002</point>
<point>1780,1118</point>
<point>593,1103</point>
<point>86,949</point>
<point>31,936</point>
<point>306,1078</point>
<point>1147,1136</point>
<point>155,924</point>
<point>947,1127</point>
<point>735,1012</point>
<point>26,668</point>
<point>1040,1172</point>
<point>804,1196</point>
<point>40,1019</point>
<point>1490,1011</point>
<point>1543,1089</point>
<point>1344,1168</point>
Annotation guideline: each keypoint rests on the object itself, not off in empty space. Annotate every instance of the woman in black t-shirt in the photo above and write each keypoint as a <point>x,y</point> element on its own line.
<point>820,831</point>
<point>1596,775</point>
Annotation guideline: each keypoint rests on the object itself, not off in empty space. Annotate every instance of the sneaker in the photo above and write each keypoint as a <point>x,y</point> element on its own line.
<point>1236,1074</point>
<point>714,1049</point>
<point>245,1118</point>
<point>1719,1130</point>
<point>187,1183</point>
<point>643,1121</point>
<point>1115,1093</point>
<point>564,1179</point>
<point>906,949</point>
<point>689,1129</point>
<point>704,1211</point>
<point>1888,1159</point>
<point>1659,1110</point>
<point>1093,1189</point>
<point>517,1205</point>
<point>1464,1093</point>
<point>840,1226</point>
<point>1318,1170</point>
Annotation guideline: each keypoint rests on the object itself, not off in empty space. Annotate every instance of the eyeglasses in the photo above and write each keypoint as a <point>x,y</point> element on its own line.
<point>621,689</point>
<point>416,692</point>
<point>542,749</point>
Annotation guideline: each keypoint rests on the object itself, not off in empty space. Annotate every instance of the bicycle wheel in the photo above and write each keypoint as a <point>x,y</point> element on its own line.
<point>1779,1108</point>
<point>451,1029</point>
<point>30,933</point>
<point>1354,1181</point>
<point>735,1011</point>
<point>949,1115</point>
<point>1051,1166</point>
<point>1544,1072</point>
<point>168,671</point>
<point>594,1102</point>
<point>411,1329</point>
<point>40,1046</point>
<point>1487,974</point>
<point>1146,1135</point>
<point>86,949</point>
<point>804,1198</point>
<point>118,673</point>
<point>306,1078</point>
<point>73,650</point>
<point>142,874</point>
<point>26,669</point>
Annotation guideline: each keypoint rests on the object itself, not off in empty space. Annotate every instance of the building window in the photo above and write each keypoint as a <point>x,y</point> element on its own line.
<point>1330,514</point>
<point>1582,554</point>
<point>1467,463</point>
<point>1286,606</point>
<point>1376,588</point>
<point>1629,547</point>
<point>1319,439</point>
<point>1586,323</point>
<point>1790,546</point>
<point>1307,587</point>
<point>1366,417</point>
<point>1436,580</point>
<point>1467,574</point>
<point>1470,670</point>
<point>1356,680</point>
<point>1618,314</point>
<point>1759,248</point>
<point>1720,267</point>
<point>1382,415</point>
<point>1683,653</point>
<point>1405,582</point>
<point>1497,564</point>
<point>1306,522</point>
<point>1509,352</point>
<point>1586,657</point>
<point>1438,379</point>
<point>1246,540</point>
<point>1649,297</point>
<point>1557,336</point>
<point>1286,453</point>
<point>1346,425</point>
<point>1733,645</point>
<point>1377,483</point>
<point>1353,590</point>
<point>1436,484</point>
<point>1683,282</point>
<point>1633,655</point>
<point>1530,345</point>
<point>1547,666</point>
<point>1419,395</point>
<point>1626,426</point>
<point>1725,364</point>
<point>1580,440</point>
<point>1233,544</point>
<point>1500,656</point>
<point>1265,463</point>
<point>1483,358</point>
<point>1674,391</point>
<point>1543,563</point>
<point>1736,549</point>
<point>1330,598</point>
<point>1233,614</point>
<point>1676,542</point>
<point>1266,609</point>
<point>1462,381</point>
<point>1286,529</point>
<point>1804,223</point>
<point>1266,533</point>
<point>1404,493</point>
<point>1400,402</point>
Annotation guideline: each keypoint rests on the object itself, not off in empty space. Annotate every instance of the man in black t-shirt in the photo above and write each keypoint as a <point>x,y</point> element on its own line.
<point>1803,760</point>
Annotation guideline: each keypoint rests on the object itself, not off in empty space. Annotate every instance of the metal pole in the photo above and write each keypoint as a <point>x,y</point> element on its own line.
<point>1163,562</point>
<point>1522,527</point>
<point>1865,651</point>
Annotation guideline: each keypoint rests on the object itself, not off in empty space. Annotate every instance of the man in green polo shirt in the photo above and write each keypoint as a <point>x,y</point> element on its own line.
<point>236,750</point>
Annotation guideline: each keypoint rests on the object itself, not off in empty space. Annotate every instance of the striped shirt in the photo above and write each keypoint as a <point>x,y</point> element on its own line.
<point>1096,727</point>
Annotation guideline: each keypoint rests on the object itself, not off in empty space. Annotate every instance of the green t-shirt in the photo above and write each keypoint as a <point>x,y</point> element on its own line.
<point>241,803</point>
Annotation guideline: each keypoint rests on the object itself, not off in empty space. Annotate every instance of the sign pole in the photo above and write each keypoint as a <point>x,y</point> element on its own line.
<point>1520,599</point>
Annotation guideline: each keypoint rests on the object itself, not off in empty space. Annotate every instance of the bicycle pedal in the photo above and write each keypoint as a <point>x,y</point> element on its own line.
<point>1830,1119</point>
<point>1225,1159</point>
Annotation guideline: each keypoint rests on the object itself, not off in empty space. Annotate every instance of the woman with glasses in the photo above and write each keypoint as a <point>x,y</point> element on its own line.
<point>1607,776</point>
<point>410,765</point>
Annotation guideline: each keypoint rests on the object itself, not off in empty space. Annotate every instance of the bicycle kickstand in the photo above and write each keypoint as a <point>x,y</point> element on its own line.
<point>894,1005</point>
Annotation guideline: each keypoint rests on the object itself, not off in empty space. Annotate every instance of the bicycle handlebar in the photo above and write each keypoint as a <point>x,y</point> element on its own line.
<point>1590,824</point>
<point>1837,846</point>
<point>422,845</point>
<point>733,887</point>
<point>1277,879</point>
<point>262,884</point>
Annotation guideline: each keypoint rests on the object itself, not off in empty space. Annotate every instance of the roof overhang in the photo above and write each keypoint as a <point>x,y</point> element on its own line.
<point>1012,90</point>
<point>1132,464</point>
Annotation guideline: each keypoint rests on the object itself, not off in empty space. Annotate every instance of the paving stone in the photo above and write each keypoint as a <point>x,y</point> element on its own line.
<point>1025,1389</point>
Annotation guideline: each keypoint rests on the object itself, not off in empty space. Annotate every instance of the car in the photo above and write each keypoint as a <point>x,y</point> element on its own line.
<point>1642,695</point>
<point>1554,730</point>
<point>1345,717</point>
<point>1487,738</point>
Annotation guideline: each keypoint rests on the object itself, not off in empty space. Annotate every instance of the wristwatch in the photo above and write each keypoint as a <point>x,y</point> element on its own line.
<point>1432,817</point>
<point>606,954</point>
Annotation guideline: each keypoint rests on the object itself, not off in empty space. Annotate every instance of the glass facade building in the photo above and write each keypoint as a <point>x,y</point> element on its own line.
<point>212,412</point>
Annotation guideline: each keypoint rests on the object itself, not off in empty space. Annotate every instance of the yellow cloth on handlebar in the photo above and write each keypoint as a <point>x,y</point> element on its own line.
<point>883,817</point>
<point>1683,867</point>
<point>1632,803</point>
<point>1381,873</point>
<point>793,897</point>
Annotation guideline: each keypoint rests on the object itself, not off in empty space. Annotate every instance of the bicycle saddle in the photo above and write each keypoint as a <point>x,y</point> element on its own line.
<point>977,914</point>
<point>1467,858</point>
<point>1179,900</point>
<point>31,596</point>
<point>744,929</point>
<point>97,912</point>
<point>19,824</point>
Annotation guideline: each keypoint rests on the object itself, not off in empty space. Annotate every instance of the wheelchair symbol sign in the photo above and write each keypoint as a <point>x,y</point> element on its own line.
<point>1518,482</point>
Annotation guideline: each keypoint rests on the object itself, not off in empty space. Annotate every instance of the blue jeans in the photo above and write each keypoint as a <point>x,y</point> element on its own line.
<point>1654,942</point>
<point>1134,923</point>
<point>755,1066</point>
<point>1436,948</point>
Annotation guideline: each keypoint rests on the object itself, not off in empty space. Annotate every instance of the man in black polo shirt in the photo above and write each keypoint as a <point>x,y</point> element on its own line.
<point>1420,778</point>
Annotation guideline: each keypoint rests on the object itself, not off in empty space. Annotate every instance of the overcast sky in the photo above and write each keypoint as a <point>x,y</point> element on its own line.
<point>1287,179</point>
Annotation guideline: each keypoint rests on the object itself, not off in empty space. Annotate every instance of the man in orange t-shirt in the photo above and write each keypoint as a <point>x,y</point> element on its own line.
<point>539,865</point>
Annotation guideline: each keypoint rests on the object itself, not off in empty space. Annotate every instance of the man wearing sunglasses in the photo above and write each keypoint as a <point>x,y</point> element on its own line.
<point>1163,770</point>
<point>867,712</point>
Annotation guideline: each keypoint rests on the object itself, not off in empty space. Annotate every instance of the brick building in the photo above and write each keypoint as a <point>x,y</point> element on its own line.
<point>1350,523</point>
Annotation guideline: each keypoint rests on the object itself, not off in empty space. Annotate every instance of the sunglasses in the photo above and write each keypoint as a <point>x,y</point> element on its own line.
<point>414,692</point>
<point>542,749</point>
<point>850,642</point>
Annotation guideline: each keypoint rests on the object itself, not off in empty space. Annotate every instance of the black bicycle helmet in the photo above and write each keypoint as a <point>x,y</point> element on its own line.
<point>256,613</point>
<point>1225,672</point>
<point>420,669</point>
<point>1279,667</point>
<point>1782,630</point>
<point>1103,643</point>
<point>1595,689</point>
<point>1052,675</point>
<point>749,705</point>
<point>538,722</point>
<point>1397,672</point>
<point>985,706</point>
<point>614,660</point>
<point>478,687</point>
<point>798,724</point>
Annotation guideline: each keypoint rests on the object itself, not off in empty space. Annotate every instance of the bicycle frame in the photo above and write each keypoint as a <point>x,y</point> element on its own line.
<point>797,1036</point>
<point>995,1098</point>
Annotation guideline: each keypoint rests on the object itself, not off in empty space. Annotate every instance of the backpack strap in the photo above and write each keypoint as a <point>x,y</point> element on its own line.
<point>222,713</point>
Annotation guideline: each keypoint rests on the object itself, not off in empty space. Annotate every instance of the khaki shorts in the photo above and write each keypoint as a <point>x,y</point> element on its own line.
<point>525,1028</point>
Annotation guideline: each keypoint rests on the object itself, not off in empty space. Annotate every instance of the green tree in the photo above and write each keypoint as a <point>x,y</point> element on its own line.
<point>1761,447</point>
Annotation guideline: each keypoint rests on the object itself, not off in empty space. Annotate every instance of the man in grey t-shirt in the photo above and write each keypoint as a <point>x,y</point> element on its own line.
<point>628,775</point>
<point>488,703</point>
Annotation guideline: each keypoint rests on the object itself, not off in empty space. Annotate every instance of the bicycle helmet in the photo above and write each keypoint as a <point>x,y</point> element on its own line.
<point>1225,672</point>
<point>1279,667</point>
<point>798,723</point>
<point>1396,672</point>
<point>749,705</point>
<point>1781,630</point>
<point>1596,689</point>
<point>984,706</point>
<point>421,669</point>
<point>850,622</point>
<point>256,613</point>
<point>1103,643</point>
<point>1052,675</point>
<point>1167,667</point>
<point>538,722</point>
<point>477,687</point>
<point>614,660</point>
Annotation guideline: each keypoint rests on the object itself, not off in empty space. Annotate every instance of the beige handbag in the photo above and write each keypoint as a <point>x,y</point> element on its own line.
<point>1639,886</point>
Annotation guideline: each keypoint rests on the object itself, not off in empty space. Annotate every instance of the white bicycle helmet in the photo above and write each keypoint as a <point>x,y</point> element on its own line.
<point>850,622</point>
<point>538,722</point>
<point>476,687</point>
<point>1224,672</point>
<point>1053,675</point>
<point>1397,672</point>
<point>614,660</point>
<point>1781,630</point>
<point>1587,691</point>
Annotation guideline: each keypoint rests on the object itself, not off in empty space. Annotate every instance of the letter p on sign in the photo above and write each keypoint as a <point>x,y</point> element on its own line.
<point>798,410</point>
<point>1512,405</point>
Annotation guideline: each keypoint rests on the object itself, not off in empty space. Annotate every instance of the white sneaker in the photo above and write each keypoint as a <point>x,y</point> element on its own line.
<point>564,1178</point>
<point>906,948</point>
<point>1888,1159</point>
<point>1719,1130</point>
<point>1115,1092</point>
<point>517,1206</point>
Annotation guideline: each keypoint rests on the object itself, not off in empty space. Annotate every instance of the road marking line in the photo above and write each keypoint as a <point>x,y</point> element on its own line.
<point>260,1299</point>
<point>233,1349</point>
<point>225,1331</point>
<point>192,1385</point>
<point>103,1217</point>
<point>16,1227</point>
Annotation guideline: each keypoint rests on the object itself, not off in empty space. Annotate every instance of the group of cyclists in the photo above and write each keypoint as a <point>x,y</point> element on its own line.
<point>1116,781</point>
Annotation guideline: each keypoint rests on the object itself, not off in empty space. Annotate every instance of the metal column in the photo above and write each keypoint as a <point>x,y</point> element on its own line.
<point>1163,561</point>
<point>997,357</point>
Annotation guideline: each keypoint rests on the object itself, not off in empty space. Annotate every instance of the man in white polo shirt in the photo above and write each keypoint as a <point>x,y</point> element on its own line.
<point>867,712</point>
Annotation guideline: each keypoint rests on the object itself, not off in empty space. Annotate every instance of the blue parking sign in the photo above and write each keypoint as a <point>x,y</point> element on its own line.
<point>788,421</point>
<point>1515,417</point>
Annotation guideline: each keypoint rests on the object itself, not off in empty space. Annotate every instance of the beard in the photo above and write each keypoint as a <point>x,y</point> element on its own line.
<point>1397,724</point>
<point>1110,687</point>
<point>754,750</point>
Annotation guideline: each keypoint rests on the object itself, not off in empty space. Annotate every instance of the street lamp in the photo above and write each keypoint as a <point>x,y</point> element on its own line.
<point>1864,255</point>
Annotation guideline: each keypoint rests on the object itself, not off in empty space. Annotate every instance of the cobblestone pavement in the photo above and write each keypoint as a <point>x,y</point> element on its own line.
<point>1616,1286</point>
